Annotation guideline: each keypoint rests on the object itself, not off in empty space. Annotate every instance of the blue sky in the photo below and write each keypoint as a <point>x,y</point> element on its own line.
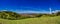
<point>30,6</point>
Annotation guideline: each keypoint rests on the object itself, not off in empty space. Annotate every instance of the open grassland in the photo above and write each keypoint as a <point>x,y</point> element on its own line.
<point>40,20</point>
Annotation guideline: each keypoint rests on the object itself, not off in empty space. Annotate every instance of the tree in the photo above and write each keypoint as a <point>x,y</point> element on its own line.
<point>39,15</point>
<point>58,13</point>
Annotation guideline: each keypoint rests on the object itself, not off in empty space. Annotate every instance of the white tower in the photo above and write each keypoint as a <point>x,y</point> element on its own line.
<point>50,10</point>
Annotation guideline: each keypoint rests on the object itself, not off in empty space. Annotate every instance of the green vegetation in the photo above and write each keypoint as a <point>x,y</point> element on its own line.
<point>58,13</point>
<point>8,17</point>
<point>41,20</point>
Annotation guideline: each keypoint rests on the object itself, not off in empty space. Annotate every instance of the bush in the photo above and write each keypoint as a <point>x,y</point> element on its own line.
<point>9,15</point>
<point>39,15</point>
<point>58,13</point>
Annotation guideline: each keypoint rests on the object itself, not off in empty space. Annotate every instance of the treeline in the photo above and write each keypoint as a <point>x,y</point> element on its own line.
<point>15,16</point>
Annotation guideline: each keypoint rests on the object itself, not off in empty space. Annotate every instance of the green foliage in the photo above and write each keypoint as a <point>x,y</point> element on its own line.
<point>9,15</point>
<point>58,13</point>
<point>39,15</point>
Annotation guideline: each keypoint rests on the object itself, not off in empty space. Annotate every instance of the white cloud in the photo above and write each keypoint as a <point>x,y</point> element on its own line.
<point>55,11</point>
<point>28,11</point>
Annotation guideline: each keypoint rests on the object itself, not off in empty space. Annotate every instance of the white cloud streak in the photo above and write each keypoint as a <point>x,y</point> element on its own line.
<point>28,11</point>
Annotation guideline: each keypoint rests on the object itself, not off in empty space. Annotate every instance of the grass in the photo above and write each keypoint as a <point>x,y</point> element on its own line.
<point>41,20</point>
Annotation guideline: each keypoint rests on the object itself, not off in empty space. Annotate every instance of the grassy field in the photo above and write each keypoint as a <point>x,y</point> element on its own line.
<point>41,20</point>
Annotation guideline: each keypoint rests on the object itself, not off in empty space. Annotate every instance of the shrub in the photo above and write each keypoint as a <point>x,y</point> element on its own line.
<point>9,15</point>
<point>58,13</point>
<point>39,15</point>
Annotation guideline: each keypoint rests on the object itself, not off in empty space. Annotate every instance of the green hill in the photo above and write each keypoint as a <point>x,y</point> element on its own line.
<point>8,17</point>
<point>42,20</point>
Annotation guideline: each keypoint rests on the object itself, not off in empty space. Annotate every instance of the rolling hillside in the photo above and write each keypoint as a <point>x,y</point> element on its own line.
<point>7,17</point>
<point>42,20</point>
